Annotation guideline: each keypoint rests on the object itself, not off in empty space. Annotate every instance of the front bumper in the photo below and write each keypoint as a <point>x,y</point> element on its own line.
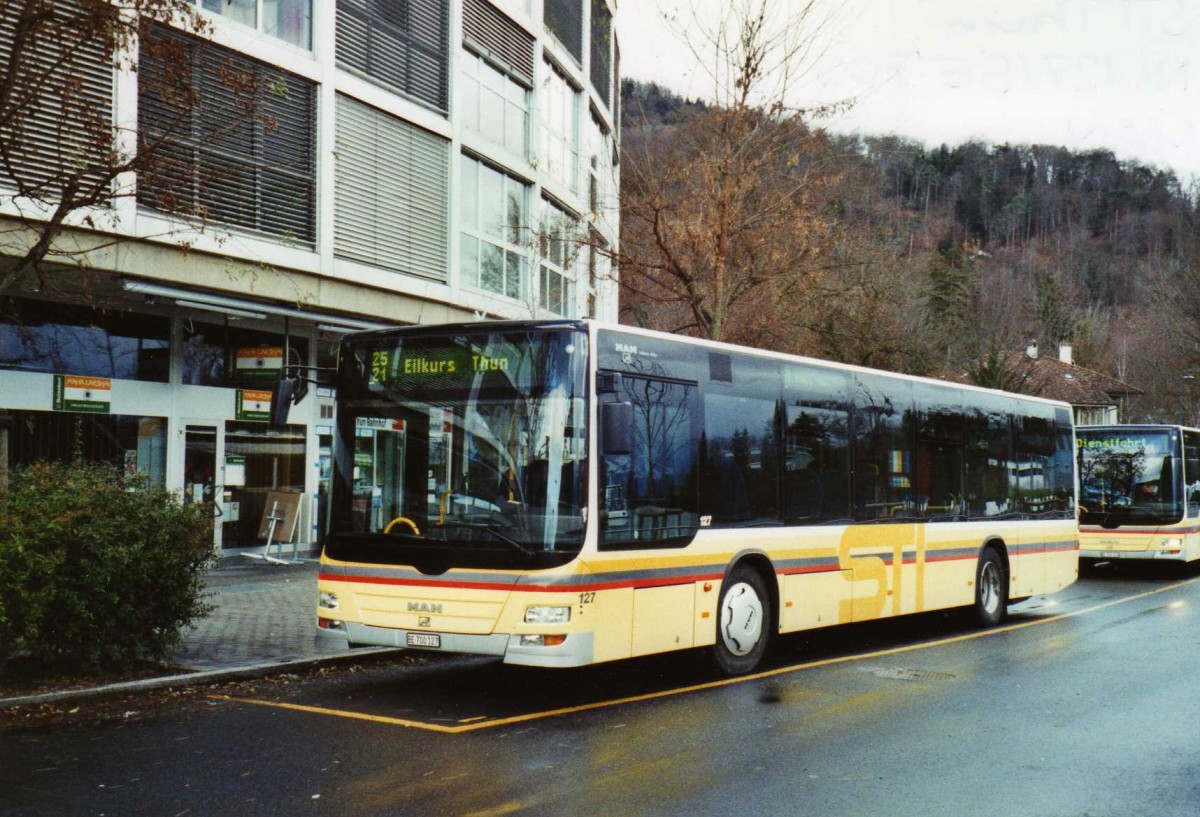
<point>1127,555</point>
<point>576,651</point>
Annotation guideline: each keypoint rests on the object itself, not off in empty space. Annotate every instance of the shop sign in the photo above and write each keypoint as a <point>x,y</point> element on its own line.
<point>379,423</point>
<point>235,471</point>
<point>90,394</point>
<point>253,405</point>
<point>258,362</point>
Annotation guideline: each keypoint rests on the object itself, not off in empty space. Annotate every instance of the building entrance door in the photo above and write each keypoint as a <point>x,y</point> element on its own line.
<point>202,477</point>
<point>259,460</point>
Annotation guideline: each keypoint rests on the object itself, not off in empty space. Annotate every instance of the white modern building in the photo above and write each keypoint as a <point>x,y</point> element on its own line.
<point>426,161</point>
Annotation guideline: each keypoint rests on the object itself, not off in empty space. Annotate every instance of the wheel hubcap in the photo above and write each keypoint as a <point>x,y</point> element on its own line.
<point>989,587</point>
<point>741,619</point>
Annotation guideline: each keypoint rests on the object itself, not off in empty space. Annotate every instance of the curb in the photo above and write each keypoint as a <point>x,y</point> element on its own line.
<point>197,678</point>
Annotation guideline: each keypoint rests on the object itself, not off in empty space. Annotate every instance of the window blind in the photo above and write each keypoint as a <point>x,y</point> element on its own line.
<point>392,192</point>
<point>403,45</point>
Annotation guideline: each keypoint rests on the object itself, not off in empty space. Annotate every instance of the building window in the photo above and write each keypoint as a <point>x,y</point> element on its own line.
<point>403,45</point>
<point>601,184</point>
<point>289,20</point>
<point>272,459</point>
<point>493,104</point>
<point>494,222</point>
<point>224,355</point>
<point>241,151</point>
<point>564,19</point>
<point>392,192</point>
<point>601,72</point>
<point>487,31</point>
<point>132,445</point>
<point>559,251</point>
<point>560,128</point>
<point>57,124</point>
<point>38,336</point>
<point>597,265</point>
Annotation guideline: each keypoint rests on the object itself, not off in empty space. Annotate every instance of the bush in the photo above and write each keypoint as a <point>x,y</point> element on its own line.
<point>97,571</point>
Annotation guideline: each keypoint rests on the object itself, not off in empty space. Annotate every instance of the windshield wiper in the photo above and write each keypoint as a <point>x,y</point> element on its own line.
<point>494,530</point>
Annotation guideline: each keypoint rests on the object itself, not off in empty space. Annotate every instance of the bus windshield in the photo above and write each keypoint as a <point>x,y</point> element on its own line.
<point>1128,477</point>
<point>466,449</point>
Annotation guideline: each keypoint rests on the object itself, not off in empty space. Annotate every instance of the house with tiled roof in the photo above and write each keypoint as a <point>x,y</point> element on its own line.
<point>1096,398</point>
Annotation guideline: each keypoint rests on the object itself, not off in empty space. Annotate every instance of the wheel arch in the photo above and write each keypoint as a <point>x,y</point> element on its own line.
<point>759,562</point>
<point>1001,547</point>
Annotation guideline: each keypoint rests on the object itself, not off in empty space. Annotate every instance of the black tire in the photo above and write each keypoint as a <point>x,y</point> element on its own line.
<point>743,621</point>
<point>991,589</point>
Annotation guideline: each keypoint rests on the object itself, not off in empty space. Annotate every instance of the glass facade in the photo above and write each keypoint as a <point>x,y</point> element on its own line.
<point>288,20</point>
<point>559,261</point>
<point>132,445</point>
<point>493,104</point>
<point>227,355</point>
<point>39,336</point>
<point>560,127</point>
<point>494,217</point>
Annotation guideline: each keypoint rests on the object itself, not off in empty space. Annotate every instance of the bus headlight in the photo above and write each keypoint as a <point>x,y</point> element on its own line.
<point>327,600</point>
<point>547,615</point>
<point>1172,545</point>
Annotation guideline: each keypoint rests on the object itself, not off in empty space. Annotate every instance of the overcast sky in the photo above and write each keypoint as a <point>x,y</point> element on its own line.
<point>1117,74</point>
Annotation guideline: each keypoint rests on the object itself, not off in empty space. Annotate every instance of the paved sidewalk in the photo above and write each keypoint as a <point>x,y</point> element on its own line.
<point>264,614</point>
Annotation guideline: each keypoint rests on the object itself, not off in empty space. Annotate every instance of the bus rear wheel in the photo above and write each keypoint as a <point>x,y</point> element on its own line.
<point>991,590</point>
<point>743,621</point>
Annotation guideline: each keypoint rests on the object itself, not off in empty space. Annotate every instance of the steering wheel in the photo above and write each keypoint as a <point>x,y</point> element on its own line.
<point>404,520</point>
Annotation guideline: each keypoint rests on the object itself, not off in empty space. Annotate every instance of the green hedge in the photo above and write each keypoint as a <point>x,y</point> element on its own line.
<point>97,572</point>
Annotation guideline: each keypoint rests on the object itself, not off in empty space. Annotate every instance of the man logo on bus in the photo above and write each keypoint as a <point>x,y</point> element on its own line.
<point>423,607</point>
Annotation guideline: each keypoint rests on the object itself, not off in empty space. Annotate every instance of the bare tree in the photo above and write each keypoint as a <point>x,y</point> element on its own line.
<point>718,209</point>
<point>65,159</point>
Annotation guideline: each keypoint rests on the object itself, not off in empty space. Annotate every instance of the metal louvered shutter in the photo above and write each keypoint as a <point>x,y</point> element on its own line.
<point>601,72</point>
<point>564,19</point>
<point>404,45</point>
<point>253,168</point>
<point>69,125</point>
<point>499,36</point>
<point>392,192</point>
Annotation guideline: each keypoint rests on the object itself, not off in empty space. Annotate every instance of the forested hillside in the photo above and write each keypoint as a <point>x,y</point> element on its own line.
<point>881,251</point>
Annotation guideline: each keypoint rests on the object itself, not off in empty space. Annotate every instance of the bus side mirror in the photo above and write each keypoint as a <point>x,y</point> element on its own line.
<point>608,382</point>
<point>283,394</point>
<point>616,428</point>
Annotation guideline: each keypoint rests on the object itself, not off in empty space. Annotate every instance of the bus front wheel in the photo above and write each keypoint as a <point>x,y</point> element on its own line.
<point>991,590</point>
<point>743,621</point>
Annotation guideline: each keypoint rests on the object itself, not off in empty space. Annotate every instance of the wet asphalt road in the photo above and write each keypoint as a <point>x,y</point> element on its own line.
<point>1087,704</point>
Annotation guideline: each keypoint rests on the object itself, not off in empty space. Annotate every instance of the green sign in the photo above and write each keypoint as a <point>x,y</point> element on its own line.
<point>88,394</point>
<point>253,405</point>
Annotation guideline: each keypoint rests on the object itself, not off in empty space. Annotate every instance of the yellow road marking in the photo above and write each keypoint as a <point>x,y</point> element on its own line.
<point>666,693</point>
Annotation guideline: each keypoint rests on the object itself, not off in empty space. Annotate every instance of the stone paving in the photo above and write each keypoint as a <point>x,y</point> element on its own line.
<point>263,614</point>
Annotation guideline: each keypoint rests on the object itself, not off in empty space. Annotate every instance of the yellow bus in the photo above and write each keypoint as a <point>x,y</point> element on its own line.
<point>1139,493</point>
<point>564,493</point>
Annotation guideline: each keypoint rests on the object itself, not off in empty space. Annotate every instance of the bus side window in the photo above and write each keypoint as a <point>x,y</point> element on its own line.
<point>651,492</point>
<point>883,434</point>
<point>990,458</point>
<point>816,445</point>
<point>1191,471</point>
